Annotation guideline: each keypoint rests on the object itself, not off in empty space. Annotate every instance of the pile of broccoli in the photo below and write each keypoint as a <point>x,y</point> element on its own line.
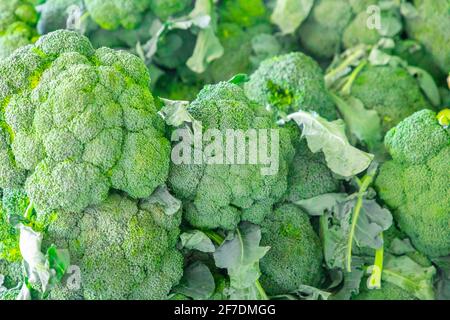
<point>128,169</point>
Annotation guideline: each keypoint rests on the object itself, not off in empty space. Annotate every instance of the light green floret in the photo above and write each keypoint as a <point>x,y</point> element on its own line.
<point>295,257</point>
<point>78,122</point>
<point>221,195</point>
<point>391,91</point>
<point>289,83</point>
<point>432,28</point>
<point>245,13</point>
<point>18,20</point>
<point>322,32</point>
<point>388,291</point>
<point>415,183</point>
<point>112,14</point>
<point>163,9</point>
<point>124,249</point>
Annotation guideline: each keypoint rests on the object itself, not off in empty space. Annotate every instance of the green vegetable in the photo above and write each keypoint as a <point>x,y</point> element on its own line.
<point>77,122</point>
<point>415,183</point>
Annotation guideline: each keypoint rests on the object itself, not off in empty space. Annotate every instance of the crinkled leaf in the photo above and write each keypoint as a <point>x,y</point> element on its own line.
<point>410,276</point>
<point>427,84</point>
<point>164,199</point>
<point>317,206</point>
<point>197,240</point>
<point>373,220</point>
<point>197,282</point>
<point>288,15</point>
<point>350,285</point>
<point>364,124</point>
<point>329,137</point>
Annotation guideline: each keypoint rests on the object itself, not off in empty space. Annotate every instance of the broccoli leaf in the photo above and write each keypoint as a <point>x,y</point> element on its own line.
<point>164,199</point>
<point>240,256</point>
<point>175,113</point>
<point>207,49</point>
<point>364,124</point>
<point>316,206</point>
<point>427,84</point>
<point>197,282</point>
<point>373,220</point>
<point>288,15</point>
<point>59,260</point>
<point>350,284</point>
<point>410,276</point>
<point>329,137</point>
<point>197,240</point>
<point>443,282</point>
<point>305,292</point>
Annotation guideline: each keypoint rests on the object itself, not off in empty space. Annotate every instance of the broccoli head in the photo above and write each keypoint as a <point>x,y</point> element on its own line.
<point>221,195</point>
<point>77,122</point>
<point>321,33</point>
<point>163,9</point>
<point>245,13</point>
<point>124,250</point>
<point>431,27</point>
<point>415,183</point>
<point>289,83</point>
<point>18,20</point>
<point>112,14</point>
<point>388,291</point>
<point>391,91</point>
<point>295,257</point>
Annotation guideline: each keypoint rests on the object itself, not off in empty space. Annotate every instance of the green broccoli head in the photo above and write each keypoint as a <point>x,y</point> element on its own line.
<point>321,33</point>
<point>113,14</point>
<point>295,257</point>
<point>12,275</point>
<point>163,9</point>
<point>124,250</point>
<point>309,175</point>
<point>388,291</point>
<point>9,236</point>
<point>78,122</point>
<point>431,28</point>
<point>18,20</point>
<point>289,83</point>
<point>391,91</point>
<point>221,195</point>
<point>415,183</point>
<point>245,13</point>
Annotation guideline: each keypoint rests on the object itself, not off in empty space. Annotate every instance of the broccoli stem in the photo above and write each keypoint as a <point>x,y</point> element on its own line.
<point>336,73</point>
<point>363,184</point>
<point>346,89</point>
<point>377,269</point>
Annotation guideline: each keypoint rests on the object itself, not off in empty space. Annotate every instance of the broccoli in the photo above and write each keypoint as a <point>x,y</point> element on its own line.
<point>388,291</point>
<point>245,13</point>
<point>389,90</point>
<point>289,83</point>
<point>78,122</point>
<point>415,183</point>
<point>124,250</point>
<point>431,27</point>
<point>54,14</point>
<point>295,257</point>
<point>170,87</point>
<point>321,33</point>
<point>309,175</point>
<point>357,32</point>
<point>163,9</point>
<point>18,20</point>
<point>221,195</point>
<point>113,14</point>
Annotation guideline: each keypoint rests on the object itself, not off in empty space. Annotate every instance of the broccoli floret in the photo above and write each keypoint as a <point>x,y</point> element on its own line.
<point>415,183</point>
<point>124,250</point>
<point>309,175</point>
<point>289,83</point>
<point>18,20</point>
<point>388,291</point>
<point>245,13</point>
<point>431,28</point>
<point>221,195</point>
<point>112,14</point>
<point>77,122</point>
<point>322,32</point>
<point>163,9</point>
<point>391,91</point>
<point>295,256</point>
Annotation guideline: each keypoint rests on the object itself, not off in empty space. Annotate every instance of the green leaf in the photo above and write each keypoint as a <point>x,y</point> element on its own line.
<point>59,260</point>
<point>207,49</point>
<point>240,256</point>
<point>373,220</point>
<point>197,240</point>
<point>443,281</point>
<point>329,137</point>
<point>239,79</point>
<point>350,286</point>
<point>288,15</point>
<point>175,113</point>
<point>400,247</point>
<point>165,201</point>
<point>410,276</point>
<point>364,124</point>
<point>427,84</point>
<point>197,282</point>
<point>317,206</point>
